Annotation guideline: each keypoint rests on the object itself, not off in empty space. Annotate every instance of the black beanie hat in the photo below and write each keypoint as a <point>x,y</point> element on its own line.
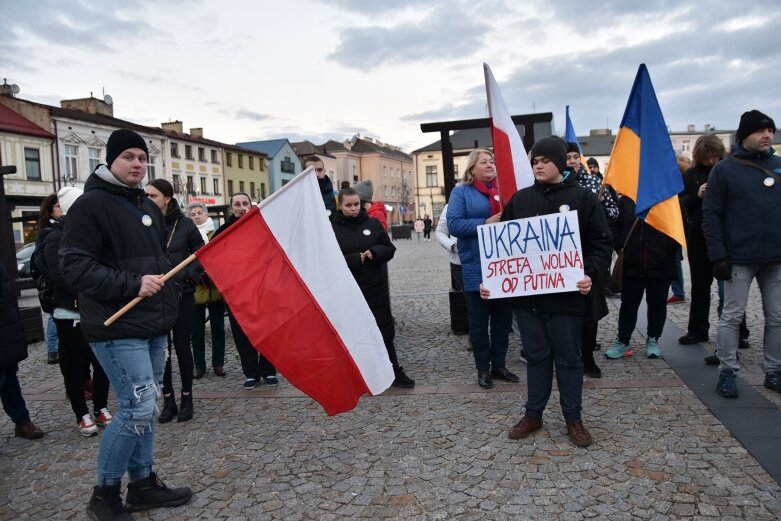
<point>572,147</point>
<point>554,148</point>
<point>592,162</point>
<point>120,140</point>
<point>752,121</point>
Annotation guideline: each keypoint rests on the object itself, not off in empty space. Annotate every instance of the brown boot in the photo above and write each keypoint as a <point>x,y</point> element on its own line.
<point>578,434</point>
<point>27,429</point>
<point>525,427</point>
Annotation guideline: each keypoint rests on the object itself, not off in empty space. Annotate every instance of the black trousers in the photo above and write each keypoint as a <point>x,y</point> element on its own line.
<point>76,356</point>
<point>701,272</point>
<point>183,328</point>
<point>253,364</point>
<point>655,290</point>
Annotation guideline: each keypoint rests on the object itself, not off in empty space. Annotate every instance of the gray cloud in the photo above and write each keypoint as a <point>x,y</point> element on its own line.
<point>251,115</point>
<point>376,6</point>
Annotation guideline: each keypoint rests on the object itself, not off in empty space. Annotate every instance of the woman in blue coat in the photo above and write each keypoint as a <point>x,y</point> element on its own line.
<point>474,202</point>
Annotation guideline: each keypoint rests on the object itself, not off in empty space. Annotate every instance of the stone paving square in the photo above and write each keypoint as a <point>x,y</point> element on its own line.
<point>437,452</point>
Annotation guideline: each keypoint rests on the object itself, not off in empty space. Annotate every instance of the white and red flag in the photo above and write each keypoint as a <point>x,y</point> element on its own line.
<point>281,271</point>
<point>513,168</point>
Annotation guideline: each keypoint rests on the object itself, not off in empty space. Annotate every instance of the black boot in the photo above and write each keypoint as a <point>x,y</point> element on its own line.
<point>152,493</point>
<point>402,380</point>
<point>590,367</point>
<point>106,505</point>
<point>185,408</point>
<point>169,409</point>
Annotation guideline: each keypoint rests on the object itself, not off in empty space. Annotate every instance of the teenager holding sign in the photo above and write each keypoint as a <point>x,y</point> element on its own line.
<point>551,324</point>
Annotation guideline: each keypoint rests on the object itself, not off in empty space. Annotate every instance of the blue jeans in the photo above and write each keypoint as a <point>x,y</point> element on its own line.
<point>134,367</point>
<point>549,338</point>
<point>52,342</point>
<point>11,395</point>
<point>495,315</point>
<point>677,283</point>
<point>735,299</point>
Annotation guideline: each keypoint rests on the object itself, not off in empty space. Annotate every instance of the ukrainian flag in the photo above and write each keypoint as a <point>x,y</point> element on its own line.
<point>570,135</point>
<point>643,165</point>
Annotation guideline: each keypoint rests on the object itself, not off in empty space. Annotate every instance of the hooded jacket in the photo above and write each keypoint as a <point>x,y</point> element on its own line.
<point>113,236</point>
<point>183,239</point>
<point>742,215</point>
<point>48,242</point>
<point>596,243</point>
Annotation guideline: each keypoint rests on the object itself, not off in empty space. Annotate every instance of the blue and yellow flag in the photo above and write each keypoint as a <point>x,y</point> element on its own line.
<point>569,132</point>
<point>643,165</point>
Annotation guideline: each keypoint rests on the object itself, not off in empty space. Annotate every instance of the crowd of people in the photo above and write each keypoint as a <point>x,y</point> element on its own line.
<point>100,248</point>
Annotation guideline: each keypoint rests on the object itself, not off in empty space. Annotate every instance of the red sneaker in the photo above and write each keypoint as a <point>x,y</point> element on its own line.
<point>675,299</point>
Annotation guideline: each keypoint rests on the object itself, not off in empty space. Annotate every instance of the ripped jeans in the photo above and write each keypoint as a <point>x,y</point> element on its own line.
<point>134,367</point>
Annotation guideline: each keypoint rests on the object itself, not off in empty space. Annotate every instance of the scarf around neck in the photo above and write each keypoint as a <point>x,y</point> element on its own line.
<point>492,192</point>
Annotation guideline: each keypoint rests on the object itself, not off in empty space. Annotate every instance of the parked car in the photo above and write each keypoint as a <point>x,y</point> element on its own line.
<point>23,258</point>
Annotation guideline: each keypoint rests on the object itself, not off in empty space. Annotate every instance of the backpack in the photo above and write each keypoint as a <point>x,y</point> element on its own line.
<point>43,281</point>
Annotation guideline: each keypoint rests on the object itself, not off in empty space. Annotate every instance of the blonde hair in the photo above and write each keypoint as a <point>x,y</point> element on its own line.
<point>472,161</point>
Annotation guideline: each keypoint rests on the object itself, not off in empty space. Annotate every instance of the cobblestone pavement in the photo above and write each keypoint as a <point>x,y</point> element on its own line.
<point>439,451</point>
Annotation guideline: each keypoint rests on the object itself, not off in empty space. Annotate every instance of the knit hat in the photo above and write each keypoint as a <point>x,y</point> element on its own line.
<point>67,196</point>
<point>365,190</point>
<point>752,121</point>
<point>592,162</point>
<point>120,140</point>
<point>572,147</point>
<point>554,148</point>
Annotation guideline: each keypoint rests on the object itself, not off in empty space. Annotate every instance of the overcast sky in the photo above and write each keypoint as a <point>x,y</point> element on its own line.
<point>326,69</point>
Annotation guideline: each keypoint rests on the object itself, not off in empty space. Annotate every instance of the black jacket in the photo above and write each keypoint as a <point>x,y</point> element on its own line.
<point>649,253</point>
<point>327,191</point>
<point>693,178</point>
<point>13,342</point>
<point>104,252</point>
<point>183,239</point>
<point>351,234</point>
<point>543,199</point>
<point>49,240</point>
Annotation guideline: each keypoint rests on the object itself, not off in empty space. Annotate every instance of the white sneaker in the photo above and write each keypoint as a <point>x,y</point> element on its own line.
<point>103,418</point>
<point>86,426</point>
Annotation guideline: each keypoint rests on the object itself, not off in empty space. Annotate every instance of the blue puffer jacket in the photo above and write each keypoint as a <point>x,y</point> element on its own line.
<point>467,209</point>
<point>741,215</point>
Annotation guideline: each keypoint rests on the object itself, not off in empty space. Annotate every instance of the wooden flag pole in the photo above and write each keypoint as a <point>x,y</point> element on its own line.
<point>127,307</point>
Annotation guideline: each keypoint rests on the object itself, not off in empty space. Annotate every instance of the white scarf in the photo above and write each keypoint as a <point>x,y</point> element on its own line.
<point>205,228</point>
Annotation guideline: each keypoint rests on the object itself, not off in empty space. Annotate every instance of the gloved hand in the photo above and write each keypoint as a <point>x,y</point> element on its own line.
<point>722,270</point>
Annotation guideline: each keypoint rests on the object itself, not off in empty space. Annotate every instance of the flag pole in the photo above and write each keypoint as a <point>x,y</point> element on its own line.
<point>127,307</point>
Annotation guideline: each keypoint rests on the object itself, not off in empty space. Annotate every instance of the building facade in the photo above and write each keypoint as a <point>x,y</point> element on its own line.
<point>245,171</point>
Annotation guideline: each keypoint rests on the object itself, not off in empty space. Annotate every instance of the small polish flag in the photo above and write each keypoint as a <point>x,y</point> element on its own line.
<point>281,272</point>
<point>513,168</point>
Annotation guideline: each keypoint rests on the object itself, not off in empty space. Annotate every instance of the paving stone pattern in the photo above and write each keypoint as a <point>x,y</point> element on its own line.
<point>440,451</point>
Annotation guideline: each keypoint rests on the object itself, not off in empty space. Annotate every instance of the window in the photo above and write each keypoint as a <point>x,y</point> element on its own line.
<point>241,186</point>
<point>32,163</point>
<point>150,168</point>
<point>261,164</point>
<point>188,152</point>
<point>229,160</point>
<point>94,158</point>
<point>201,154</point>
<point>286,166</point>
<point>190,185</point>
<point>262,190</point>
<point>230,187</point>
<point>71,160</point>
<point>252,190</point>
<point>216,182</point>
<point>241,160</point>
<point>455,172</point>
<point>203,185</point>
<point>251,163</point>
<point>431,175</point>
<point>214,156</point>
<point>174,149</point>
<point>384,171</point>
<point>177,184</point>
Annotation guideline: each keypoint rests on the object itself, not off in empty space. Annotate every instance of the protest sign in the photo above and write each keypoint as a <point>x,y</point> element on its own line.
<point>531,256</point>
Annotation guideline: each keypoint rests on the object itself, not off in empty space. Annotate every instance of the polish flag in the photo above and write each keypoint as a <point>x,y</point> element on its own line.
<point>281,272</point>
<point>513,168</point>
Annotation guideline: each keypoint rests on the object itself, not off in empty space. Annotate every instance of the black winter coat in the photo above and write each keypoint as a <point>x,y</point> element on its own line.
<point>358,234</point>
<point>13,342</point>
<point>49,240</point>
<point>183,239</point>
<point>649,253</point>
<point>693,178</point>
<point>104,252</point>
<point>596,242</point>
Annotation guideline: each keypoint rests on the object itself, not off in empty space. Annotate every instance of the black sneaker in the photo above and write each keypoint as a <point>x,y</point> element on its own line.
<point>53,358</point>
<point>591,369</point>
<point>402,380</point>
<point>728,385</point>
<point>271,380</point>
<point>250,383</point>
<point>504,374</point>
<point>773,381</point>
<point>712,359</point>
<point>152,493</point>
<point>106,505</point>
<point>743,343</point>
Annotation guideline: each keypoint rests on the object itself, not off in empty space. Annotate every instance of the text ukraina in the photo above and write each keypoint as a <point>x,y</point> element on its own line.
<point>514,238</point>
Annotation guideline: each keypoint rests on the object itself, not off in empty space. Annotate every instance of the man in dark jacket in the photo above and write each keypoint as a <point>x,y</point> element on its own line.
<point>324,182</point>
<point>112,251</point>
<point>13,349</point>
<point>551,324</point>
<point>741,216</point>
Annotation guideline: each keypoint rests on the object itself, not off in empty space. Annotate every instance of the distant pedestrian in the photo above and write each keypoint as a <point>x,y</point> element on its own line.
<point>741,219</point>
<point>48,215</point>
<point>324,182</point>
<point>427,228</point>
<point>419,227</point>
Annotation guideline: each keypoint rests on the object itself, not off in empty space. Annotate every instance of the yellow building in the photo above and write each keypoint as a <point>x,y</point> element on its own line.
<point>245,171</point>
